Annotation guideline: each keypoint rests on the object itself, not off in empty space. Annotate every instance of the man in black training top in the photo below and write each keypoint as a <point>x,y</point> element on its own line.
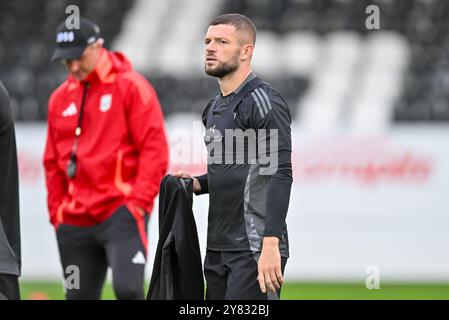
<point>10,262</point>
<point>249,172</point>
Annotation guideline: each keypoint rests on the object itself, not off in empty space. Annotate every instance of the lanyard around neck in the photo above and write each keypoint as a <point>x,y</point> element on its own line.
<point>71,168</point>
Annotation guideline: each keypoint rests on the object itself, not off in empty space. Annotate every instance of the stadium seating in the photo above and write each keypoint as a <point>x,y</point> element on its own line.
<point>27,31</point>
<point>409,62</point>
<point>424,91</point>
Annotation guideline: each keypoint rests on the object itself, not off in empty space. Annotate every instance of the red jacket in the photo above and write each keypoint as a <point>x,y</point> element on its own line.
<point>122,152</point>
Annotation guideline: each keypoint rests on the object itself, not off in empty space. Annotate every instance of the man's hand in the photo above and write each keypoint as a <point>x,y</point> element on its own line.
<point>183,174</point>
<point>269,266</point>
<point>136,209</point>
<point>141,211</point>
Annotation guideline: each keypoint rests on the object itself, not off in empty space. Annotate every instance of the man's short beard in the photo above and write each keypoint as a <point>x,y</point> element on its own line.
<point>223,69</point>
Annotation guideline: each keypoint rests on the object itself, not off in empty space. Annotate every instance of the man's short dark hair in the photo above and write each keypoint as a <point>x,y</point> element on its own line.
<point>240,22</point>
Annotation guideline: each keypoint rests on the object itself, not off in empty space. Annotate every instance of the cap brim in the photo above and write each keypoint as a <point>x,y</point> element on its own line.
<point>67,53</point>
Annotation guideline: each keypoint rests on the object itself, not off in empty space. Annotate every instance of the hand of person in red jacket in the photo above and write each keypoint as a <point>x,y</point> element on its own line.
<point>136,209</point>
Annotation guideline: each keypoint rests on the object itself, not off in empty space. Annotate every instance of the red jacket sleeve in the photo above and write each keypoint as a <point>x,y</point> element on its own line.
<point>146,125</point>
<point>55,178</point>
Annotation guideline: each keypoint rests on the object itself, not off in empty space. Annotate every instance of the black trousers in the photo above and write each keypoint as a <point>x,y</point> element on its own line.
<point>9,287</point>
<point>233,276</point>
<point>86,253</point>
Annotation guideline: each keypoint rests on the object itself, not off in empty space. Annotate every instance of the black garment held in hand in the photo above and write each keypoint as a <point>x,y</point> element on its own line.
<point>177,271</point>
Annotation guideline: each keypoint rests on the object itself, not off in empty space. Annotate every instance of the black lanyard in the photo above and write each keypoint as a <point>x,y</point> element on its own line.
<point>71,167</point>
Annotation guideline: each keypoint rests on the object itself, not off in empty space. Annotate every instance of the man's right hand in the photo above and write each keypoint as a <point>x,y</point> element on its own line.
<point>183,174</point>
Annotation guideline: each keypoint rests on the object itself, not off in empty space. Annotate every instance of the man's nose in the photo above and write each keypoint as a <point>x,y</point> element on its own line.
<point>210,47</point>
<point>73,65</point>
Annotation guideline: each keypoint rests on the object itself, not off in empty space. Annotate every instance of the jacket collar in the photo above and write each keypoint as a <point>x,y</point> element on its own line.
<point>104,72</point>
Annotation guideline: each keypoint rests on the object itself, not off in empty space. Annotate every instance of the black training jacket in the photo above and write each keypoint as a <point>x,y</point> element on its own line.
<point>177,271</point>
<point>10,261</point>
<point>249,171</point>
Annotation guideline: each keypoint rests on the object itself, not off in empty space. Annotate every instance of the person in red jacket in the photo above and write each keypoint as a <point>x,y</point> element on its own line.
<point>105,155</point>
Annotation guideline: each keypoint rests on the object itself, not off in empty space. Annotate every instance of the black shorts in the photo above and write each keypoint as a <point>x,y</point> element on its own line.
<point>9,287</point>
<point>233,276</point>
<point>118,242</point>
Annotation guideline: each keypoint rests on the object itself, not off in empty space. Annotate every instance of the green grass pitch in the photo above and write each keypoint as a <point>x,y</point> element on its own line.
<point>290,291</point>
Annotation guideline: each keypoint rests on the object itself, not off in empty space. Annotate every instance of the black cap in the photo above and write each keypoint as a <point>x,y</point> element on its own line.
<point>70,43</point>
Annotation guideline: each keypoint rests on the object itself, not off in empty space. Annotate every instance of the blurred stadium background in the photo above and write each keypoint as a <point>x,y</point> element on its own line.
<point>370,128</point>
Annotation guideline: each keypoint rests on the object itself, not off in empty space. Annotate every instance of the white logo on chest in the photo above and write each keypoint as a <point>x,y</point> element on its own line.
<point>105,102</point>
<point>70,110</point>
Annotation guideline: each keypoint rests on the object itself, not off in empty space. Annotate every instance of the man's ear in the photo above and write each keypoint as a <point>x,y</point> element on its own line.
<point>247,51</point>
